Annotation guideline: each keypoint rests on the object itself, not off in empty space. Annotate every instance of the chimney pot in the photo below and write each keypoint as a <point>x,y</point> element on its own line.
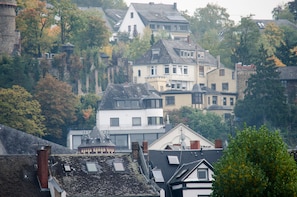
<point>135,150</point>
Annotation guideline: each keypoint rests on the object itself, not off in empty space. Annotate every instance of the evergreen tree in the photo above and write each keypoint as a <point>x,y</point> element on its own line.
<point>264,101</point>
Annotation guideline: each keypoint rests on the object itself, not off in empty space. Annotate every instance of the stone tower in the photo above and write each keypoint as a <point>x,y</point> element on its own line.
<point>9,37</point>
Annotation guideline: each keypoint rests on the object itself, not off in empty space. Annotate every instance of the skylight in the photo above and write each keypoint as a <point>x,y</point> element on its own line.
<point>157,173</point>
<point>67,168</point>
<point>118,166</point>
<point>91,167</point>
<point>173,159</point>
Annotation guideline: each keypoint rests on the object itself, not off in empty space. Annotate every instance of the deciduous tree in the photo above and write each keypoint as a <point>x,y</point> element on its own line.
<point>57,103</point>
<point>255,163</point>
<point>20,111</point>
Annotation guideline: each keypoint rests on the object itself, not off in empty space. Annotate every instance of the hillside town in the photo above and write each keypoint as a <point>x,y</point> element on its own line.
<point>129,102</point>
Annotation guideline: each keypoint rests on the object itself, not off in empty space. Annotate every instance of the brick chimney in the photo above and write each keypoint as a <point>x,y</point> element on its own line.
<point>195,144</point>
<point>42,164</point>
<point>218,143</point>
<point>145,146</point>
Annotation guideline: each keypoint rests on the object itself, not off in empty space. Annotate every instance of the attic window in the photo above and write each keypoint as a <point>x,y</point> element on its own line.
<point>91,167</point>
<point>202,174</point>
<point>173,160</point>
<point>67,168</point>
<point>118,166</point>
<point>158,176</point>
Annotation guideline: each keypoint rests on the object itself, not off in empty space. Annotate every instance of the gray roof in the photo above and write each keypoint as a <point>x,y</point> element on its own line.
<point>104,180</point>
<point>280,22</point>
<point>127,91</point>
<point>115,17</point>
<point>18,142</point>
<point>288,72</point>
<point>151,12</point>
<point>186,169</point>
<point>18,176</point>
<point>169,54</point>
<point>158,160</point>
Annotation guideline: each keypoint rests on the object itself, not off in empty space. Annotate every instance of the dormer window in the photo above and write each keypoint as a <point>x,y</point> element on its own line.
<point>202,174</point>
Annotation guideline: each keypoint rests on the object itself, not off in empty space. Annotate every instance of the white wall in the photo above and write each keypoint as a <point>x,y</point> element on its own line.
<point>125,118</point>
<point>132,21</point>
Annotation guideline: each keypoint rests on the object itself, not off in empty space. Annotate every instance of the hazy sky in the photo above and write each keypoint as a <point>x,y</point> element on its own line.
<point>261,9</point>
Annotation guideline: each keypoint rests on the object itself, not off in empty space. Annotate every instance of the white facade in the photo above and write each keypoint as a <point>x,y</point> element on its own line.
<point>178,133</point>
<point>170,76</point>
<point>103,119</point>
<point>132,22</point>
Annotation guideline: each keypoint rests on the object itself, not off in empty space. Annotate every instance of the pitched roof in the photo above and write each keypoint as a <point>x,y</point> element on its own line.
<point>18,142</point>
<point>101,178</point>
<point>262,23</point>
<point>151,12</point>
<point>18,176</point>
<point>186,169</point>
<point>169,53</point>
<point>186,130</point>
<point>159,159</point>
<point>127,91</point>
<point>288,72</point>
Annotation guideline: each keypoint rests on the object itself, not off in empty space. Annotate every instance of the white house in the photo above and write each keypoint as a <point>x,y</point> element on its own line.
<point>181,137</point>
<point>157,17</point>
<point>129,113</point>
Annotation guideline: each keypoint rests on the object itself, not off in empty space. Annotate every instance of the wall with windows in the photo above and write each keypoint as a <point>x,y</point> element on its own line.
<point>132,21</point>
<point>176,101</point>
<point>129,119</point>
<point>222,80</point>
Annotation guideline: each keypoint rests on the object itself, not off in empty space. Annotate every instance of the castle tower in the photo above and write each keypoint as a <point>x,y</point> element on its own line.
<point>9,38</point>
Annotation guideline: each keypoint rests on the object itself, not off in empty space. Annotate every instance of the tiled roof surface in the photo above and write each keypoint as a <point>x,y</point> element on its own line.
<point>18,142</point>
<point>126,91</point>
<point>158,159</point>
<point>18,176</point>
<point>288,72</point>
<point>103,182</point>
<point>169,54</point>
<point>150,12</point>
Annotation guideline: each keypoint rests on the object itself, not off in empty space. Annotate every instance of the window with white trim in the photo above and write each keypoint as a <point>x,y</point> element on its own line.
<point>202,174</point>
<point>114,122</point>
<point>136,121</point>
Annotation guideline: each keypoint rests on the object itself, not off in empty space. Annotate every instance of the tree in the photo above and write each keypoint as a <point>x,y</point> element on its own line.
<point>247,42</point>
<point>19,110</point>
<point>34,21</point>
<point>207,124</point>
<point>86,111</point>
<point>264,101</point>
<point>255,163</point>
<point>57,103</point>
<point>283,12</point>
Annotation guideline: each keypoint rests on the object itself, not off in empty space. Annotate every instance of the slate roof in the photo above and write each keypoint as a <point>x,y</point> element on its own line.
<point>169,54</point>
<point>18,142</point>
<point>288,72</point>
<point>127,91</point>
<point>103,182</point>
<point>18,176</point>
<point>151,12</point>
<point>186,169</point>
<point>280,22</point>
<point>115,17</point>
<point>158,159</point>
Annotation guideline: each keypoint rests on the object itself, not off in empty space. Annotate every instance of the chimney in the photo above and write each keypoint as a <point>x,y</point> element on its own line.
<point>42,164</point>
<point>145,146</point>
<point>175,5</point>
<point>218,144</point>
<point>195,144</point>
<point>135,150</point>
